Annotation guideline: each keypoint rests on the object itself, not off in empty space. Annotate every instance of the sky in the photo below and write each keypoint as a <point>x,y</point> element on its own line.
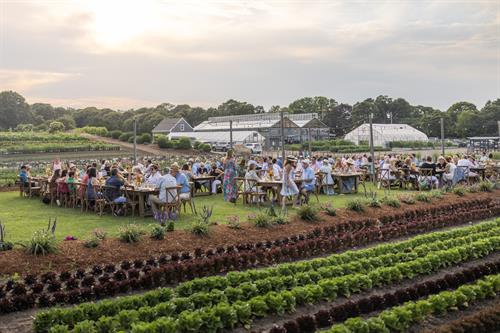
<point>128,54</point>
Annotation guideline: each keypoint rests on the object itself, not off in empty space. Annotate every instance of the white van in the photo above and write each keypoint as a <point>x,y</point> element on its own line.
<point>256,148</point>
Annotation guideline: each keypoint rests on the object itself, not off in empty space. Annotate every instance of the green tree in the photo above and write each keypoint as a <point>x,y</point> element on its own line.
<point>13,110</point>
<point>339,120</point>
<point>490,114</point>
<point>45,111</point>
<point>56,126</point>
<point>319,104</point>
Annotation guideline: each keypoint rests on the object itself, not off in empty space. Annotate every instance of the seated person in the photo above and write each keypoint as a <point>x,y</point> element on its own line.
<point>251,178</point>
<point>428,164</point>
<point>167,181</point>
<point>112,191</point>
<point>218,174</point>
<point>449,170</point>
<point>348,182</point>
<point>23,177</point>
<point>308,179</point>
<point>154,176</point>
<point>181,180</point>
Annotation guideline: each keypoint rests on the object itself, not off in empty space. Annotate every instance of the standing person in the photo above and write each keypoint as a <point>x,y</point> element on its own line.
<point>229,184</point>
<point>289,188</point>
<point>91,182</point>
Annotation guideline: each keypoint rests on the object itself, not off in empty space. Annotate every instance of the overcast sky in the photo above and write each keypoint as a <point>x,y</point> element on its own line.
<point>127,54</point>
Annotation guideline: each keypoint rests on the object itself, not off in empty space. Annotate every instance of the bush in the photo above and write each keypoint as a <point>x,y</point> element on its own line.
<point>130,233</point>
<point>164,142</point>
<point>355,205</point>
<point>197,144</point>
<point>206,148</point>
<point>407,199</point>
<point>459,190</point>
<point>373,201</point>
<point>474,188</point>
<point>280,220</point>
<point>94,130</point>
<point>158,232</point>
<point>328,209</point>
<point>233,222</point>
<point>436,194</point>
<point>392,202</point>
<point>125,136</point>
<point>116,134</point>
<point>200,228</point>
<point>485,186</point>
<point>56,126</point>
<point>183,143</point>
<point>144,138</point>
<point>43,241</point>
<point>131,139</point>
<point>92,242</point>
<point>423,197</point>
<point>261,221</point>
<point>308,213</point>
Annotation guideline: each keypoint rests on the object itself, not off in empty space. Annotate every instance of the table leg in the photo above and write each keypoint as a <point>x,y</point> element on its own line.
<point>141,205</point>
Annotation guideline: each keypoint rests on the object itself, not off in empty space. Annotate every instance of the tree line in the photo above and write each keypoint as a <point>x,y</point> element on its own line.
<point>462,119</point>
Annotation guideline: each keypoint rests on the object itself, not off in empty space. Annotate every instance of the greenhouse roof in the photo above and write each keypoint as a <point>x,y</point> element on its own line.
<point>220,136</point>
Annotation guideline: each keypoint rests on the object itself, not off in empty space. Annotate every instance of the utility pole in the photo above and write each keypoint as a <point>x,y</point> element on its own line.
<point>442,136</point>
<point>309,138</point>
<point>135,141</point>
<point>282,126</point>
<point>372,150</point>
<point>231,134</point>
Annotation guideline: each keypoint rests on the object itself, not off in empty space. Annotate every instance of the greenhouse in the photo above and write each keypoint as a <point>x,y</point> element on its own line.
<point>220,136</point>
<point>385,133</point>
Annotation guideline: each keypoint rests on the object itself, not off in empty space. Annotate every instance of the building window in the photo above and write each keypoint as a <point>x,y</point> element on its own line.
<point>181,127</point>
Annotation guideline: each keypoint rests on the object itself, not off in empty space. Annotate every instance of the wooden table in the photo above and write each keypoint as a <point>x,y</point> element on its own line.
<point>479,170</point>
<point>201,179</point>
<point>142,194</point>
<point>340,181</point>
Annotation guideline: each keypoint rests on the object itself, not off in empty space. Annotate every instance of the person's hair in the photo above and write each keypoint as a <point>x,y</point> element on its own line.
<point>71,174</point>
<point>230,153</point>
<point>64,173</point>
<point>154,166</point>
<point>185,167</point>
<point>94,164</point>
<point>490,155</point>
<point>274,160</point>
<point>57,173</point>
<point>114,172</point>
<point>149,161</point>
<point>23,167</point>
<point>429,158</point>
<point>252,166</point>
<point>92,172</point>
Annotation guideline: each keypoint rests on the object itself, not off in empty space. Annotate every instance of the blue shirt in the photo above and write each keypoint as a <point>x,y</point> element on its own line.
<point>24,176</point>
<point>182,180</point>
<point>308,174</point>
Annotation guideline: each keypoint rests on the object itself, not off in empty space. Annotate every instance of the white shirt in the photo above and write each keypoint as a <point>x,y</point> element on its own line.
<point>277,171</point>
<point>167,181</point>
<point>465,162</point>
<point>154,179</point>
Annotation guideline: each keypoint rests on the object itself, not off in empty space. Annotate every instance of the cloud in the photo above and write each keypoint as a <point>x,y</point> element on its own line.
<point>265,52</point>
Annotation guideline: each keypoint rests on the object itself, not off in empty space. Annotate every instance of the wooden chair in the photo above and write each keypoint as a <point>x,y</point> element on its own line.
<point>240,189</point>
<point>252,191</point>
<point>109,202</point>
<point>100,202</point>
<point>384,179</point>
<point>33,190</point>
<point>173,203</point>
<point>132,199</point>
<point>425,175</point>
<point>189,201</point>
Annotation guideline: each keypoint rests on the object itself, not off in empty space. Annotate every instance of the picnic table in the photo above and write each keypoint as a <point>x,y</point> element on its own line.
<point>200,180</point>
<point>341,177</point>
<point>141,193</point>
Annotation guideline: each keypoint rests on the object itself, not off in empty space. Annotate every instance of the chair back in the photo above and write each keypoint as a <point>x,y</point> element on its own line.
<point>173,195</point>
<point>384,174</point>
<point>425,172</point>
<point>251,185</point>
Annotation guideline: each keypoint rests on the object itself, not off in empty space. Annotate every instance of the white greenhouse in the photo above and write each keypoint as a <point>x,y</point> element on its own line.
<point>385,133</point>
<point>239,137</point>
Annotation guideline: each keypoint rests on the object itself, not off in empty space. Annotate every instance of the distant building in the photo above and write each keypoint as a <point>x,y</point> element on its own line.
<point>385,133</point>
<point>298,128</point>
<point>169,125</point>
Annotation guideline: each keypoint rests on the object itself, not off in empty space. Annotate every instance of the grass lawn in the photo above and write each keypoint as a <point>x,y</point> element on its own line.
<point>23,216</point>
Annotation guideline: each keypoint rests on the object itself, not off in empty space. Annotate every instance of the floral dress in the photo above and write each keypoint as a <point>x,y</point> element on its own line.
<point>229,185</point>
<point>289,187</point>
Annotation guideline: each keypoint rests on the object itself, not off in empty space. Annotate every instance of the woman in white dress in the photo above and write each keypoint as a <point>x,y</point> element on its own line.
<point>327,181</point>
<point>289,188</point>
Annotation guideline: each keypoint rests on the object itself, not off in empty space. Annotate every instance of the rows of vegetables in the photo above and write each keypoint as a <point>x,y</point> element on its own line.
<point>100,281</point>
<point>215,303</point>
<point>28,143</point>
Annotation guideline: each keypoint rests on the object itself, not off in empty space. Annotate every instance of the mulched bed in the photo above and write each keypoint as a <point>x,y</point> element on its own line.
<point>73,254</point>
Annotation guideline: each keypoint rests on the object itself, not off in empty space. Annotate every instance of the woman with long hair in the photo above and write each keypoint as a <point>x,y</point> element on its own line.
<point>289,188</point>
<point>229,184</point>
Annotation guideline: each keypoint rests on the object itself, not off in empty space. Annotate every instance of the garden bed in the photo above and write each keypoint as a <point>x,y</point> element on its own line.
<point>73,255</point>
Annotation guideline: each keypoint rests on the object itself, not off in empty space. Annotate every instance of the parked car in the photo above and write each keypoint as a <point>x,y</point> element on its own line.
<point>221,146</point>
<point>255,148</point>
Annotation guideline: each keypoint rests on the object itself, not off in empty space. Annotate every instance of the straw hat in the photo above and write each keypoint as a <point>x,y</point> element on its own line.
<point>350,161</point>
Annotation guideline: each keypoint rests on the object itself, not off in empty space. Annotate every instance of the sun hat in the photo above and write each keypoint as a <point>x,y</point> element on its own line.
<point>306,161</point>
<point>350,161</point>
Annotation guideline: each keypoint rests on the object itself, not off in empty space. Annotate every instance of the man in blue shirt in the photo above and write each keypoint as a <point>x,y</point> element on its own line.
<point>181,180</point>
<point>23,177</point>
<point>112,191</point>
<point>308,179</point>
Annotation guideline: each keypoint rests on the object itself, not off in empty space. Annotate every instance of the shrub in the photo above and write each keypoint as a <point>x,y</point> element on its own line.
<point>130,233</point>
<point>233,222</point>
<point>407,199</point>
<point>197,144</point>
<point>206,148</point>
<point>91,243</point>
<point>437,194</point>
<point>183,143</point>
<point>43,241</point>
<point>164,142</point>
<point>280,219</point>
<point>144,138</point>
<point>423,197</point>
<point>56,126</point>
<point>200,228</point>
<point>328,209</point>
<point>100,234</point>
<point>4,245</point>
<point>474,188</point>
<point>355,205</point>
<point>261,221</point>
<point>392,202</point>
<point>131,139</point>
<point>116,134</point>
<point>125,136</point>
<point>459,190</point>
<point>485,186</point>
<point>308,213</point>
<point>158,232</point>
<point>373,201</point>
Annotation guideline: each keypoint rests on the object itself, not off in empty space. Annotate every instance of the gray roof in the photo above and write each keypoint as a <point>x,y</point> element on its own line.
<point>166,124</point>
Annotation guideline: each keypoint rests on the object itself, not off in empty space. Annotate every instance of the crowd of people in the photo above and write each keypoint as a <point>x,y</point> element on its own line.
<point>293,178</point>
